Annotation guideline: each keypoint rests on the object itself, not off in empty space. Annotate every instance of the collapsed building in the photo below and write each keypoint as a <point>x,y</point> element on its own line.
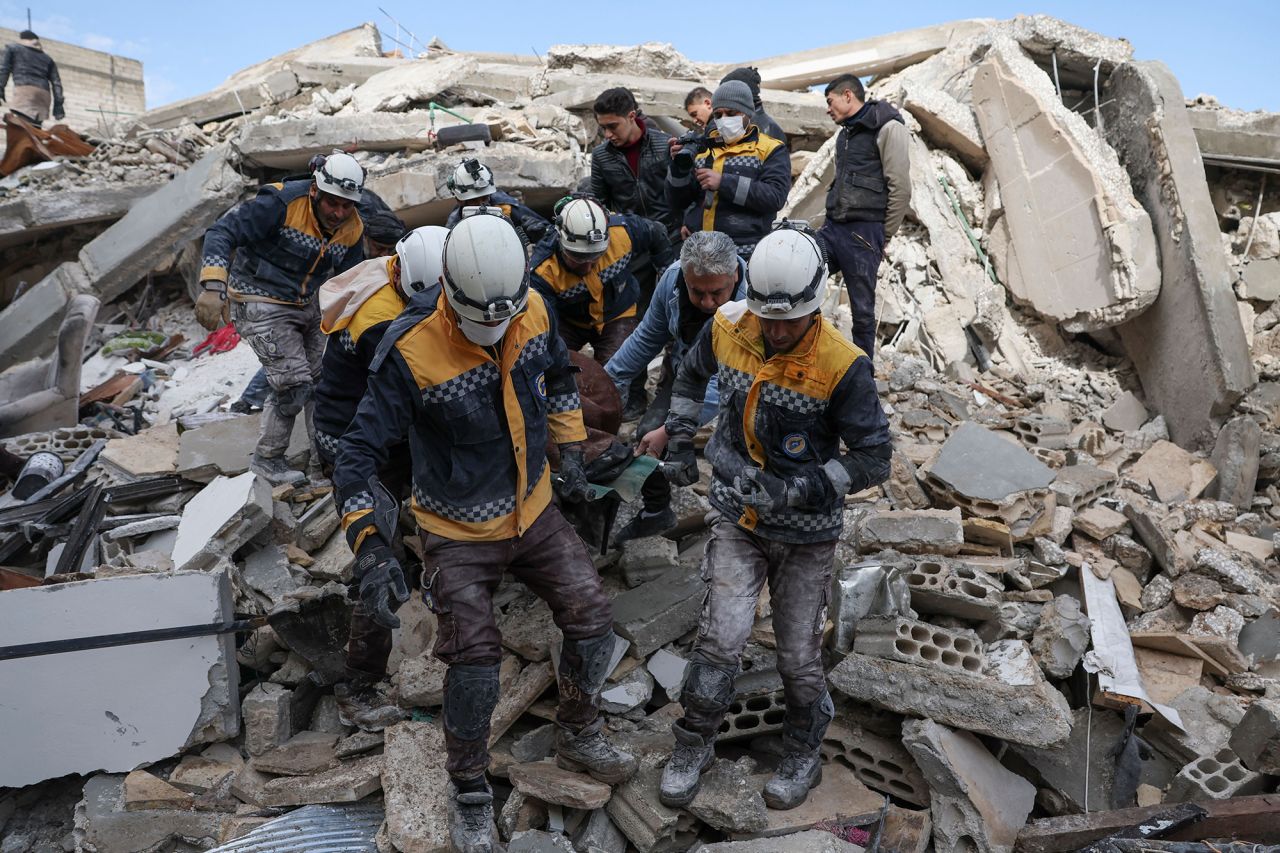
<point>1056,625</point>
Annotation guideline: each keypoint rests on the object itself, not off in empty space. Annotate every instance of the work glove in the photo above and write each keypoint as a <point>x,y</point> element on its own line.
<point>681,466</point>
<point>380,577</point>
<point>765,492</point>
<point>59,114</point>
<point>212,309</point>
<point>572,484</point>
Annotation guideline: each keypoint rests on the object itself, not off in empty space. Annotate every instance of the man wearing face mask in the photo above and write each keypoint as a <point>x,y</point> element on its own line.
<point>476,377</point>
<point>356,309</point>
<point>751,76</point>
<point>740,183</point>
<point>263,264</point>
<point>583,271</point>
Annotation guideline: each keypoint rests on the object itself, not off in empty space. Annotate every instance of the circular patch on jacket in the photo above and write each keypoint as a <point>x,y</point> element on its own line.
<point>795,444</point>
<point>541,385</point>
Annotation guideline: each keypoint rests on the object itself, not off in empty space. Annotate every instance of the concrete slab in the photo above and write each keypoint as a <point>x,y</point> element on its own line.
<point>290,143</point>
<point>416,787</point>
<point>1085,249</point>
<point>223,516</point>
<point>225,447</point>
<point>31,215</point>
<point>29,324</point>
<point>1236,138</point>
<point>1189,347</point>
<point>980,465</point>
<point>417,81</point>
<point>114,708</point>
<point>655,613</point>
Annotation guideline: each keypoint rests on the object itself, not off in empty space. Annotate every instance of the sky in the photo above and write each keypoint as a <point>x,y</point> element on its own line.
<point>188,48</point>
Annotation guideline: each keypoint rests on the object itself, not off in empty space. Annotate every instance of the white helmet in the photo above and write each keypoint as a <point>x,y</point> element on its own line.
<point>787,273</point>
<point>486,271</point>
<point>421,254</point>
<point>583,226</point>
<point>340,175</point>
<point>472,179</point>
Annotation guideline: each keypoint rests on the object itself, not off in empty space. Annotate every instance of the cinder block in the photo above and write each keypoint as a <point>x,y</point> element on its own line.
<point>753,715</point>
<point>1257,739</point>
<point>915,642</point>
<point>956,590</point>
<point>1042,431</point>
<point>879,762</point>
<point>1216,777</point>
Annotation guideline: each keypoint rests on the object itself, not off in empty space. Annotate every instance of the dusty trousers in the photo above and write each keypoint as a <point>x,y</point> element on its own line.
<point>459,580</point>
<point>605,343</point>
<point>288,341</point>
<point>855,248</point>
<point>735,567</point>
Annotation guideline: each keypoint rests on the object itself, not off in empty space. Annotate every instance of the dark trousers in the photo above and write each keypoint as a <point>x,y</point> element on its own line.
<point>461,578</point>
<point>855,249</point>
<point>604,343</point>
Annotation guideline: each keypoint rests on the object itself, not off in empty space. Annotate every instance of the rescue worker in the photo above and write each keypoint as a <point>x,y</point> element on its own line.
<point>741,182</point>
<point>286,242</point>
<point>792,388</point>
<point>472,185</point>
<point>583,270</point>
<point>476,377</point>
<point>37,85</point>
<point>751,76</point>
<point>709,274</point>
<point>356,308</point>
<point>869,197</point>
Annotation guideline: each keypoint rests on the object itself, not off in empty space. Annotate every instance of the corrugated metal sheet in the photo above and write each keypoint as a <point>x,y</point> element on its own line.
<point>314,829</point>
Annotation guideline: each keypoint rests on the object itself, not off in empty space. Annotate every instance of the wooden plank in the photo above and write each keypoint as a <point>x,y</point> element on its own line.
<point>1167,675</point>
<point>1255,819</point>
<point>1177,644</point>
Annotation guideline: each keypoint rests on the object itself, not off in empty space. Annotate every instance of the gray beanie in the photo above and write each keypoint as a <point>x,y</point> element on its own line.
<point>734,95</point>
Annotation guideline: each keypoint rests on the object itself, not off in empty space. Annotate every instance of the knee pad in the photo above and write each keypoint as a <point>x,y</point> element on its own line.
<point>586,662</point>
<point>809,724</point>
<point>291,399</point>
<point>470,695</point>
<point>707,687</point>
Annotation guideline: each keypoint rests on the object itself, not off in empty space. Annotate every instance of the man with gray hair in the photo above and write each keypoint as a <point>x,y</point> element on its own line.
<point>709,274</point>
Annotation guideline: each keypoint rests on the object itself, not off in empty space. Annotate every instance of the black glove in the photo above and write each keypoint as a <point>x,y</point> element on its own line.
<point>572,484</point>
<point>58,114</point>
<point>380,577</point>
<point>681,466</point>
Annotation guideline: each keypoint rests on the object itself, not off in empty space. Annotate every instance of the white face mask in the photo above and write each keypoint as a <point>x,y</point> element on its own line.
<point>482,335</point>
<point>732,128</point>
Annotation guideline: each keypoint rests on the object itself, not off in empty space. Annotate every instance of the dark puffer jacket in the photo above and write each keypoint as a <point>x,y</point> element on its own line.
<point>622,191</point>
<point>31,66</point>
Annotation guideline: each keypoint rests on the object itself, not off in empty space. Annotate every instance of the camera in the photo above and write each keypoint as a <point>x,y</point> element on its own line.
<point>691,144</point>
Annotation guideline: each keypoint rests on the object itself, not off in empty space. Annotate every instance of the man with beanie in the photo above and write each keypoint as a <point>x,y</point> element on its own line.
<point>751,76</point>
<point>869,197</point>
<point>35,77</point>
<point>741,182</point>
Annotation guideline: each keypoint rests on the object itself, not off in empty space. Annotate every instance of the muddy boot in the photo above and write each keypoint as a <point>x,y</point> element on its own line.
<point>591,752</point>
<point>471,828</point>
<point>363,705</point>
<point>801,768</point>
<point>276,471</point>
<point>683,773</point>
<point>646,524</point>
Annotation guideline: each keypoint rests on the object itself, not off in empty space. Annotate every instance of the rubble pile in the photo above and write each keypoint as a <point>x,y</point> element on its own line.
<point>1059,618</point>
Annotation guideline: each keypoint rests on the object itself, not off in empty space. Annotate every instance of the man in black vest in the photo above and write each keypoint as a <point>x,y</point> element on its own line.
<point>869,197</point>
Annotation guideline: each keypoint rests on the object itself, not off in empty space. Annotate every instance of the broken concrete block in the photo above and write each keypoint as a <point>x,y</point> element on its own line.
<point>987,475</point>
<point>1208,720</point>
<point>346,783</point>
<point>1036,715</point>
<point>144,791</point>
<point>268,721</point>
<point>634,690</point>
<point>910,641</point>
<point>1197,592</point>
<point>729,799</point>
<point>221,518</point>
<point>421,681</point>
<point>198,774</point>
<point>1093,737</point>
<point>1221,621</point>
<point>1085,249</point>
<point>78,711</point>
<point>954,589</point>
<point>1126,414</point>
<point>976,803</point>
<point>224,447</point>
<point>667,669</point>
<point>152,452</point>
<point>537,841</point>
<point>1214,777</point>
<point>104,824</point>
<point>417,81</point>
<point>527,628</point>
<point>1146,121</point>
<point>29,326</point>
<point>948,123</point>
<point>1172,472</point>
<point>304,753</point>
<point>655,613</point>
<point>267,571</point>
<point>520,813</point>
<point>840,798</point>
<point>1098,522</point>
<point>811,841</point>
<point>416,787</point>
<point>518,696</point>
<point>1076,486</point>
<point>598,833</point>
<point>289,143</point>
<point>911,531</point>
<point>1257,739</point>
<point>635,809</point>
<point>1236,458</point>
<point>646,559</point>
<point>1061,638</point>
<point>878,762</point>
<point>548,782</point>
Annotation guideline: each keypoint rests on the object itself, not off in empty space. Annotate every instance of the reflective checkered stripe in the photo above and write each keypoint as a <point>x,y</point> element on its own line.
<point>790,399</point>
<point>310,242</point>
<point>215,261</point>
<point>558,403</point>
<point>469,382</point>
<point>532,348</point>
<point>788,520</point>
<point>574,292</point>
<point>743,164</point>
<point>473,514</point>
<point>328,444</point>
<point>357,502</point>
<point>736,380</point>
<point>347,342</point>
<point>617,269</point>
<point>337,252</point>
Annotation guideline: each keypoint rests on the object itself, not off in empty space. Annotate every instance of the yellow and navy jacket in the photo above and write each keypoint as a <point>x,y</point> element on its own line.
<point>344,371</point>
<point>785,413</point>
<point>477,419</point>
<point>611,289</point>
<point>528,220</point>
<point>755,179</point>
<point>281,254</point>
